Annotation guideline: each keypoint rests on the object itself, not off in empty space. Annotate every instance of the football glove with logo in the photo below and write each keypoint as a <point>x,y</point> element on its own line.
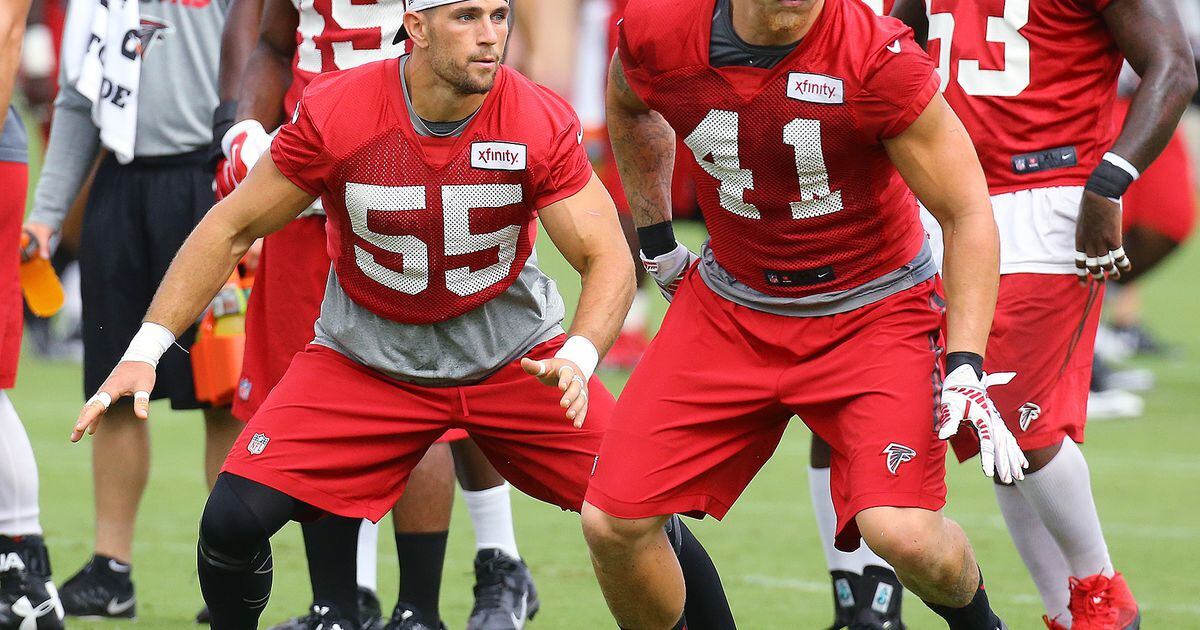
<point>668,269</point>
<point>242,145</point>
<point>965,400</point>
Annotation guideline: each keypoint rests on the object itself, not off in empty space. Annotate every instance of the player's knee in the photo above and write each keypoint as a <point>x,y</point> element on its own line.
<point>606,533</point>
<point>905,537</point>
<point>230,535</point>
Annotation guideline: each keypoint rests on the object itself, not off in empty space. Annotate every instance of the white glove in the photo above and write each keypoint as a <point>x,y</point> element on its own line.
<point>668,269</point>
<point>244,143</point>
<point>965,399</point>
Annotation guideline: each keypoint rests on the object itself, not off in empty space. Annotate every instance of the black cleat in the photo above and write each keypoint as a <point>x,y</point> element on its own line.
<point>28,599</point>
<point>845,589</point>
<point>505,596</point>
<point>879,596</point>
<point>406,617</point>
<point>101,589</point>
<point>321,617</point>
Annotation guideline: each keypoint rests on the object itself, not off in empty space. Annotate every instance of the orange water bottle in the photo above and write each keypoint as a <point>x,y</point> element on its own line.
<point>43,292</point>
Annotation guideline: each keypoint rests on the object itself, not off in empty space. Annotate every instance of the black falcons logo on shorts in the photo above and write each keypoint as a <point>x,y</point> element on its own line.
<point>898,454</point>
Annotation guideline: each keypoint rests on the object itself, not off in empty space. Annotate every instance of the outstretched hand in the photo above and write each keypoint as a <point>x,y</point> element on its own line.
<point>129,378</point>
<point>568,378</point>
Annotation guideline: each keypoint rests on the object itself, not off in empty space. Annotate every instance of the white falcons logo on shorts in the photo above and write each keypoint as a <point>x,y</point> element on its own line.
<point>898,454</point>
<point>258,443</point>
<point>1029,413</point>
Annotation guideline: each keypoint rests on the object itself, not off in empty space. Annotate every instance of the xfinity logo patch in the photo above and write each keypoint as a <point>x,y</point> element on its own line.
<point>815,88</point>
<point>498,156</point>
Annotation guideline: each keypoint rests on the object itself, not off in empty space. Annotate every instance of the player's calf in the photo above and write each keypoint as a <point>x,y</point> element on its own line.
<point>933,559</point>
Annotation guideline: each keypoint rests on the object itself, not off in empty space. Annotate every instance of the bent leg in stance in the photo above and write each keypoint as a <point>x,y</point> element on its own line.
<point>234,551</point>
<point>934,560</point>
<point>637,569</point>
<point>421,519</point>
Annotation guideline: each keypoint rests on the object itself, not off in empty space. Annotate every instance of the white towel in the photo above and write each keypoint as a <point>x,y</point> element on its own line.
<point>102,56</point>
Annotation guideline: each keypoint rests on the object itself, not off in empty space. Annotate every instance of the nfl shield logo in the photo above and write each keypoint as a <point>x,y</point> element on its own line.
<point>244,387</point>
<point>258,443</point>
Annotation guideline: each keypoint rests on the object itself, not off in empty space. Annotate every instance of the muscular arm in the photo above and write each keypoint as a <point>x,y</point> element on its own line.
<point>912,13</point>
<point>548,30</point>
<point>12,32</point>
<point>1149,34</point>
<point>585,228</point>
<point>268,73</point>
<point>264,203</point>
<point>237,43</point>
<point>644,145</point>
<point>937,160</point>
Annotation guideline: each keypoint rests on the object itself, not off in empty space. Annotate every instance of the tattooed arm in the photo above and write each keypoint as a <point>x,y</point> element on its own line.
<point>644,145</point>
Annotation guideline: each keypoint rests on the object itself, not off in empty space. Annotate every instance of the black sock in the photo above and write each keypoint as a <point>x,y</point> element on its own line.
<point>331,544</point>
<point>977,615</point>
<point>706,607</point>
<point>421,559</point>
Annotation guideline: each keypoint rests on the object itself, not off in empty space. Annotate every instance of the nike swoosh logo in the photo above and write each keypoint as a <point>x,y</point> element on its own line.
<point>894,47</point>
<point>118,607</point>
<point>519,621</point>
<point>579,137</point>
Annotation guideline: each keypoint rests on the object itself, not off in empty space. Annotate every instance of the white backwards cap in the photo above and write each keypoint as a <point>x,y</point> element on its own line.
<point>420,5</point>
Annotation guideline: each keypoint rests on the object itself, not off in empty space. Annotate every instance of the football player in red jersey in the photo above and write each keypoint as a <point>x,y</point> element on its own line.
<point>294,45</point>
<point>433,169</point>
<point>815,295</point>
<point>1034,83</point>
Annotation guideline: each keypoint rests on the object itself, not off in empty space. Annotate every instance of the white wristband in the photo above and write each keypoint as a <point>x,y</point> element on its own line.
<point>149,344</point>
<point>1121,163</point>
<point>582,352</point>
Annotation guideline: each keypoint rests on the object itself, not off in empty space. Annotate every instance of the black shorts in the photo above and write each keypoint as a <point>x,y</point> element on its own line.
<point>137,217</point>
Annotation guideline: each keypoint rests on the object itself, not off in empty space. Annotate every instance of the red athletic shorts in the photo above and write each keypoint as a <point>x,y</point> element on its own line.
<point>1162,199</point>
<point>284,304</point>
<point>707,405</point>
<point>1044,331</point>
<point>13,178</point>
<point>344,438</point>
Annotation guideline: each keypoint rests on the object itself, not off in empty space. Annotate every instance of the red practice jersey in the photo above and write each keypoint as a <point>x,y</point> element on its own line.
<point>797,191</point>
<point>1034,83</point>
<point>423,229</point>
<point>339,35</point>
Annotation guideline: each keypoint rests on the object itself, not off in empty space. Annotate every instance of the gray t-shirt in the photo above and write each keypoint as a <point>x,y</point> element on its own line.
<point>177,95</point>
<point>14,143</point>
<point>458,351</point>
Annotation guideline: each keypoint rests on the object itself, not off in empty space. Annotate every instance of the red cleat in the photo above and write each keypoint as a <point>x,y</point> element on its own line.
<point>1052,624</point>
<point>1103,603</point>
<point>627,350</point>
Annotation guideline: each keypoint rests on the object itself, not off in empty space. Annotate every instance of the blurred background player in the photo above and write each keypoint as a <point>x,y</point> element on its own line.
<point>1039,109</point>
<point>28,600</point>
<point>146,99</point>
<point>290,47</point>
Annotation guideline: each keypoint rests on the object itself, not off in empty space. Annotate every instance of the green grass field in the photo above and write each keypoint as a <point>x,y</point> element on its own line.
<point>1144,472</point>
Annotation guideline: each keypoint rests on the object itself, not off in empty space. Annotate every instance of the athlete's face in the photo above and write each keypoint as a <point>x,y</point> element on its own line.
<point>783,15</point>
<point>466,41</point>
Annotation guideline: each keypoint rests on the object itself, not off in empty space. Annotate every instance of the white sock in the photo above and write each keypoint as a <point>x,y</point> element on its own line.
<point>635,320</point>
<point>1041,554</point>
<point>822,500</point>
<point>18,476</point>
<point>1061,494</point>
<point>368,555</point>
<point>491,514</point>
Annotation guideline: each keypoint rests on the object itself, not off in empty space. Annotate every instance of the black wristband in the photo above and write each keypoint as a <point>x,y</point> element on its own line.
<point>656,240</point>
<point>224,116</point>
<point>1109,180</point>
<point>955,360</point>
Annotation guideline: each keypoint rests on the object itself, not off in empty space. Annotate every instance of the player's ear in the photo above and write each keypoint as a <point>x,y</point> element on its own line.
<point>417,27</point>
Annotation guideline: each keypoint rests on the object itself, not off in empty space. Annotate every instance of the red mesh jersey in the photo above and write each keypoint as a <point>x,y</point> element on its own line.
<point>420,229</point>
<point>1026,77</point>
<point>791,173</point>
<point>339,35</point>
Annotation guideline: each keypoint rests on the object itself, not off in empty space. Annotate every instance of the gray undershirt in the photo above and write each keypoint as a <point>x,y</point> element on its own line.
<point>727,49</point>
<point>14,143</point>
<point>458,351</point>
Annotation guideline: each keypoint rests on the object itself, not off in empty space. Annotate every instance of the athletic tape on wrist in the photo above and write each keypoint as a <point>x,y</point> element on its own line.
<point>1112,177</point>
<point>582,352</point>
<point>149,344</point>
